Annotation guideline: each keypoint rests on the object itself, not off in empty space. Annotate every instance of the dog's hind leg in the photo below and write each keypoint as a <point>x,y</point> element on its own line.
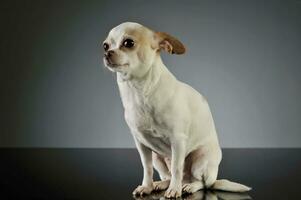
<point>196,181</point>
<point>204,169</point>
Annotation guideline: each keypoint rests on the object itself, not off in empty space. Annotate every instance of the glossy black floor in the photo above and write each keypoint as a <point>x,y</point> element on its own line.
<point>114,173</point>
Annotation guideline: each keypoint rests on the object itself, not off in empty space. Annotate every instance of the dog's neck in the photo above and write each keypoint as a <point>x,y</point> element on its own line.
<point>149,81</point>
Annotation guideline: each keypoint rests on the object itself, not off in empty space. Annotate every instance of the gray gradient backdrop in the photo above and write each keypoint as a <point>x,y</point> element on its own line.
<point>244,56</point>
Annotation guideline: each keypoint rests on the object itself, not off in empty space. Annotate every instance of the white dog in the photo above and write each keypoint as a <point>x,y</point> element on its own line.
<point>171,122</point>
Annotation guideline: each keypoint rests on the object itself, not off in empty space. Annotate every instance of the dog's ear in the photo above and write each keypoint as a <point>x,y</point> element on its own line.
<point>169,43</point>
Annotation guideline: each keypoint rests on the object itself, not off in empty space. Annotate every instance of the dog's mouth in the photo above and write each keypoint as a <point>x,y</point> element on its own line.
<point>111,64</point>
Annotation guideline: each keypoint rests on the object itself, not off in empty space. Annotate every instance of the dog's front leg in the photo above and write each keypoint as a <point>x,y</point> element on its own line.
<point>146,160</point>
<point>177,164</point>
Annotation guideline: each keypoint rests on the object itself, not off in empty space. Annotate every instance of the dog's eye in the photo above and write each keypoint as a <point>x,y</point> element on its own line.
<point>105,46</point>
<point>128,43</point>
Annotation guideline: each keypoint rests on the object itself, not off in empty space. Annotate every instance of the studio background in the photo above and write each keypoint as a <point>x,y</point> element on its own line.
<point>244,56</point>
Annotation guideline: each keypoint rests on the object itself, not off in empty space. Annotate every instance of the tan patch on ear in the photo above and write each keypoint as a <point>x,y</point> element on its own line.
<point>166,46</point>
<point>170,43</point>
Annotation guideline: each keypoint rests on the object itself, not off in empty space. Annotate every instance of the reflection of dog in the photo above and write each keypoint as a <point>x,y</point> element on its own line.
<point>200,195</point>
<point>170,121</point>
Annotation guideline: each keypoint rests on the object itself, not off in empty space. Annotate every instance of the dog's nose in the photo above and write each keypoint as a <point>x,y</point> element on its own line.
<point>109,54</point>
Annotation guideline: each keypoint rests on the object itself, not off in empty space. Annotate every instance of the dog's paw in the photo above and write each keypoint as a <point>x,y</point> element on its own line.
<point>142,190</point>
<point>161,185</point>
<point>191,187</point>
<point>173,193</point>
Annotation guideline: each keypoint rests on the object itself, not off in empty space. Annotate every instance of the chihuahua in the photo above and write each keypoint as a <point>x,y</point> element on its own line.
<point>171,122</point>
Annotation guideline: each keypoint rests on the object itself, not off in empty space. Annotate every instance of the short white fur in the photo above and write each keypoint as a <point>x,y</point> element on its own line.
<point>170,121</point>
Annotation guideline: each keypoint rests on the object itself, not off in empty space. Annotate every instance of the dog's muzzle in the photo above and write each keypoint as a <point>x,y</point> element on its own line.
<point>108,54</point>
<point>108,58</point>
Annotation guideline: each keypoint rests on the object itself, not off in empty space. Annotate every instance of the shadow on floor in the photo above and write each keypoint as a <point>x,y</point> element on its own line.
<point>200,195</point>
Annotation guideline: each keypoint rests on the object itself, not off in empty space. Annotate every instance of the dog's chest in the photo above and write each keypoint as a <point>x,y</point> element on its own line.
<point>146,122</point>
<point>141,115</point>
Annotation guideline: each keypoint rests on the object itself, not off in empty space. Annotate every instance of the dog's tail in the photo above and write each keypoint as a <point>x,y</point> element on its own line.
<point>226,185</point>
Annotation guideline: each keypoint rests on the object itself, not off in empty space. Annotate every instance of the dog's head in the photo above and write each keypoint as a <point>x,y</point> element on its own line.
<point>133,48</point>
